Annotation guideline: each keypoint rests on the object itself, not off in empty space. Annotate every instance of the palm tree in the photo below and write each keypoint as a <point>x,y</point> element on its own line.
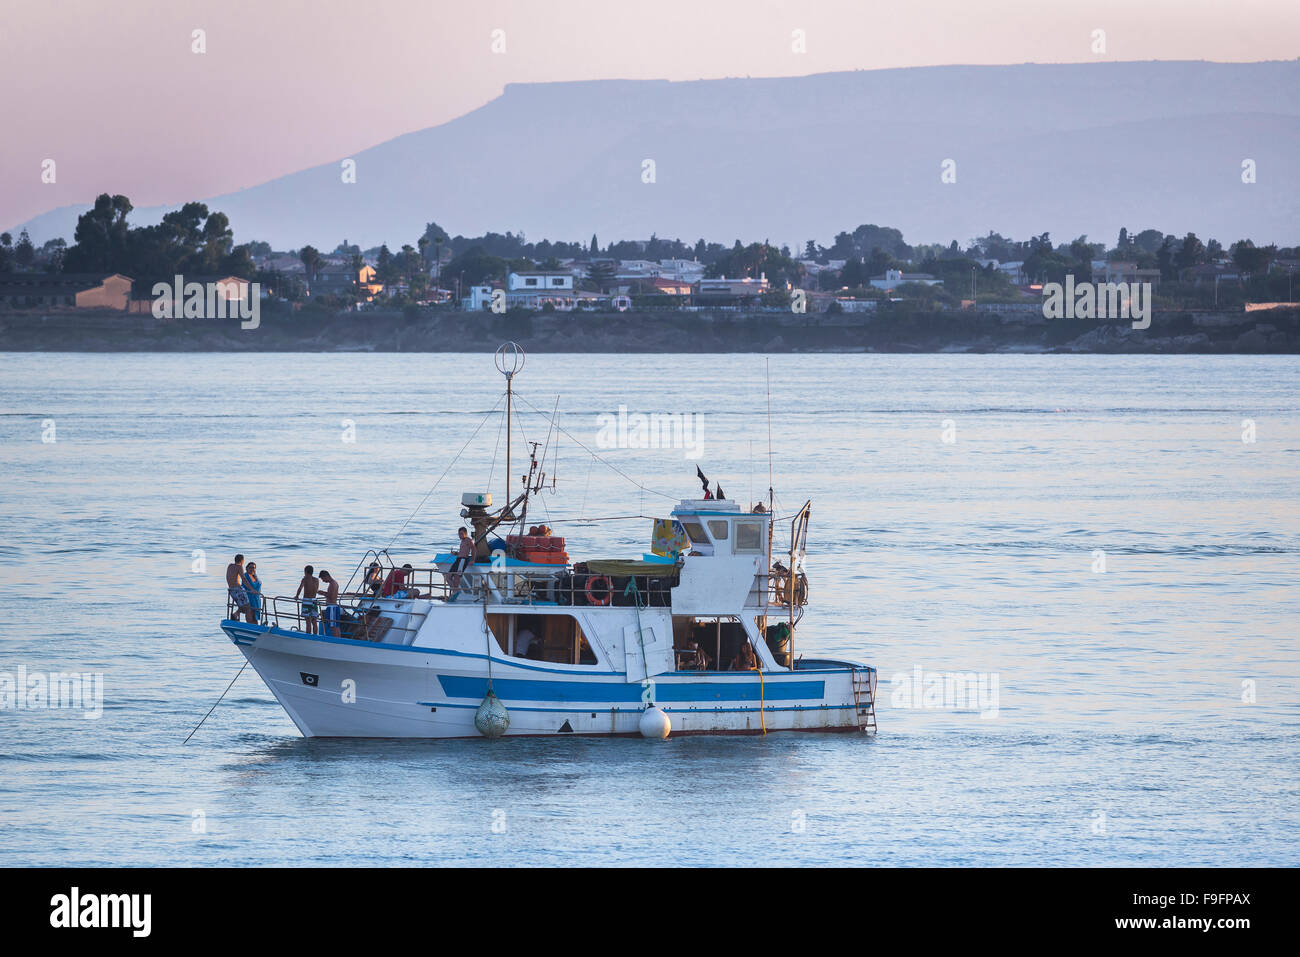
<point>311,260</point>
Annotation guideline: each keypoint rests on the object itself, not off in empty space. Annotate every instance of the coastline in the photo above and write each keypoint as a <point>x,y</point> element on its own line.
<point>1259,332</point>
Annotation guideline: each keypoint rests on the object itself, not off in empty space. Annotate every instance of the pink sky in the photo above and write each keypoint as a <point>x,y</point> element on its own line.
<point>113,93</point>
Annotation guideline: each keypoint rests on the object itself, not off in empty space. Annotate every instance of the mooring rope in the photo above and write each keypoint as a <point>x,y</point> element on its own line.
<point>218,701</point>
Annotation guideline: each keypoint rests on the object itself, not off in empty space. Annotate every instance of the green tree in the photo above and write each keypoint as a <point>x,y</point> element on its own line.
<point>1165,259</point>
<point>53,253</point>
<point>1190,253</point>
<point>100,242</point>
<point>385,271</point>
<point>24,252</point>
<point>1252,260</point>
<point>600,274</point>
<point>476,267</point>
<point>311,261</point>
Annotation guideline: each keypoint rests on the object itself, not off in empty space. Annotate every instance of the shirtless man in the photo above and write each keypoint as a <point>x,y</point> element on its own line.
<point>235,588</point>
<point>307,588</point>
<point>331,604</point>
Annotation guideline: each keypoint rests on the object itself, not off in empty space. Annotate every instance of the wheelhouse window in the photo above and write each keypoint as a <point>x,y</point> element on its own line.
<point>700,541</point>
<point>749,536</point>
<point>716,643</point>
<point>718,529</point>
<point>554,638</point>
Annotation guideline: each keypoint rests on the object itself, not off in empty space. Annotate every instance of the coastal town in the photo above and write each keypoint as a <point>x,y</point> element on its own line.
<point>1203,289</point>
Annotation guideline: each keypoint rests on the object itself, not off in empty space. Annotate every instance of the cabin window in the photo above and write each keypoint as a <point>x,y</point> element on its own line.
<point>718,529</point>
<point>695,532</point>
<point>554,638</point>
<point>749,536</point>
<point>530,282</point>
<point>709,643</point>
<point>557,282</point>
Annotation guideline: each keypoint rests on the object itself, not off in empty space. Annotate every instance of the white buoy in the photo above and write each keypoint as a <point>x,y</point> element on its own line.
<point>491,718</point>
<point>655,723</point>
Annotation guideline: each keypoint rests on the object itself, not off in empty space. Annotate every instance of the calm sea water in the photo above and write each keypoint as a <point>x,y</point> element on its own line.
<point>1146,714</point>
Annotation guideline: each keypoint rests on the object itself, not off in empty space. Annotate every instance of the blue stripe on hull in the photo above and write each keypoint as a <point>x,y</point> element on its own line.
<point>766,709</point>
<point>607,692</point>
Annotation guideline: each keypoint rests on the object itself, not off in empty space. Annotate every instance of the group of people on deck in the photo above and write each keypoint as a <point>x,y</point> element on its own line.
<point>308,589</point>
<point>245,590</point>
<point>694,658</point>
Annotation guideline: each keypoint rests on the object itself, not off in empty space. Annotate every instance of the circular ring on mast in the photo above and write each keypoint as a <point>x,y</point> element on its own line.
<point>510,359</point>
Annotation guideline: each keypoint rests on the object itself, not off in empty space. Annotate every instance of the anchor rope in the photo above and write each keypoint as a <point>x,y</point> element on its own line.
<point>217,702</point>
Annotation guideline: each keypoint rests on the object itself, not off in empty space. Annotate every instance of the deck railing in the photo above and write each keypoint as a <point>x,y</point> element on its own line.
<point>508,585</point>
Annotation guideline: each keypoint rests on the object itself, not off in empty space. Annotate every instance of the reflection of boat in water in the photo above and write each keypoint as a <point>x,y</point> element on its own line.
<point>520,640</point>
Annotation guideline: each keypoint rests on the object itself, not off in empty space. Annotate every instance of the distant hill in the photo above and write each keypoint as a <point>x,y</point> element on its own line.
<point>1081,148</point>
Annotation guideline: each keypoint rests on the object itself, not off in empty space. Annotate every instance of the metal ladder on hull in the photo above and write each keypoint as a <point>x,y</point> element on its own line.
<point>864,698</point>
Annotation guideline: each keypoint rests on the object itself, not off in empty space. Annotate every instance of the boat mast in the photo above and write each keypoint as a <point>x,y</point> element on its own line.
<point>509,361</point>
<point>771,495</point>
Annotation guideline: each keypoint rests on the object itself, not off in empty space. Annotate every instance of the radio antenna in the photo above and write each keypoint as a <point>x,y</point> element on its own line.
<point>767,362</point>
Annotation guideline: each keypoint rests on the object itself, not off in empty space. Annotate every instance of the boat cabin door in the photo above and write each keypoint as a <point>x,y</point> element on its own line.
<point>649,652</point>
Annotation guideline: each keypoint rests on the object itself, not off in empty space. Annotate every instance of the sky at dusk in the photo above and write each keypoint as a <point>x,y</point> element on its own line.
<point>115,95</point>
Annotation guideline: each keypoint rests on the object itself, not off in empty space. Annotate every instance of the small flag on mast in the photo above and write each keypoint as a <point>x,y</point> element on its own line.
<point>703,481</point>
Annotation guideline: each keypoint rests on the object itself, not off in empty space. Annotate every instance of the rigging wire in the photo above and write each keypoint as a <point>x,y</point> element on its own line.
<point>454,460</point>
<point>609,465</point>
<point>493,470</point>
<point>582,509</point>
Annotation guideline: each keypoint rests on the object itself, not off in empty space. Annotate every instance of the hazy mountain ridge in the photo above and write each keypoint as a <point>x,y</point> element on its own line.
<point>1076,148</point>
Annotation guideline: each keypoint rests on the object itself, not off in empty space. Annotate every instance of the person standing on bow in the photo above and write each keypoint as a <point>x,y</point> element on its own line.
<point>253,587</point>
<point>308,588</point>
<point>331,604</point>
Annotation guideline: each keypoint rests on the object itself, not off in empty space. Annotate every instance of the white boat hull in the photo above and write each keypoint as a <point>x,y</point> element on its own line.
<point>335,687</point>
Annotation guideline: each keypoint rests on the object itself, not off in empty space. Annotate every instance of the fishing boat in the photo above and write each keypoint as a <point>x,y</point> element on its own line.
<point>514,638</point>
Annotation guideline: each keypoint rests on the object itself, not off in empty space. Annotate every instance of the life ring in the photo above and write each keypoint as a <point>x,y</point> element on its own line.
<point>608,587</point>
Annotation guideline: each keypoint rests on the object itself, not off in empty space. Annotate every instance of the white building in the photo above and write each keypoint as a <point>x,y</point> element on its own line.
<point>540,281</point>
<point>480,297</point>
<point>723,288</point>
<point>1015,272</point>
<point>683,270</point>
<point>895,277</point>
